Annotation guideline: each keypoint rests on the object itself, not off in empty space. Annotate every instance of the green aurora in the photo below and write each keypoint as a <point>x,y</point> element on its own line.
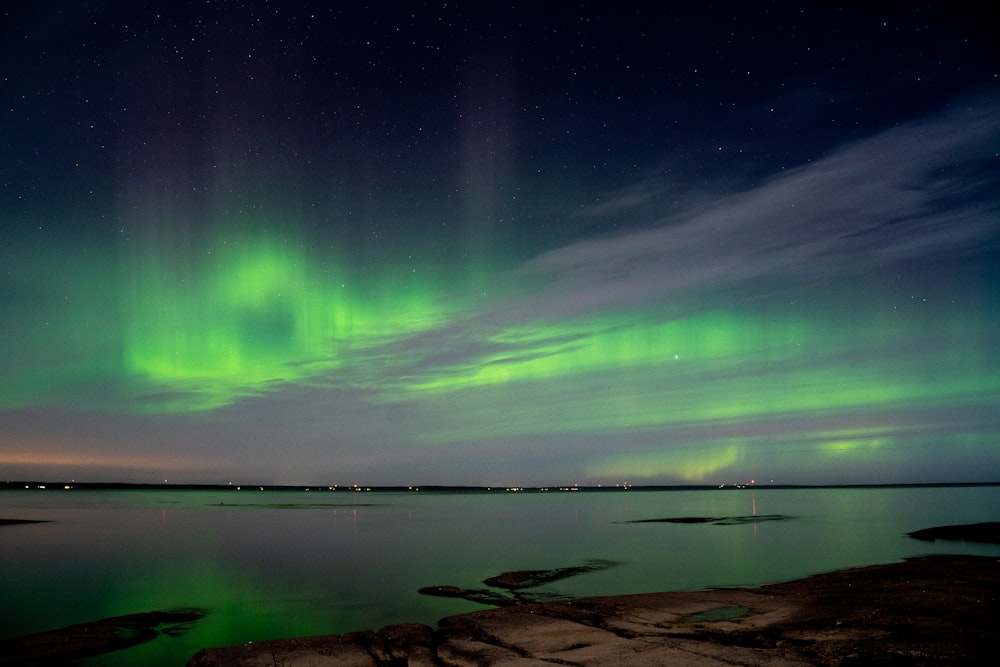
<point>447,245</point>
<point>247,317</point>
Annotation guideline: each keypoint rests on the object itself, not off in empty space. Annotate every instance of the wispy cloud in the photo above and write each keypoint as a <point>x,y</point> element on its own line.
<point>908,193</point>
<point>918,191</point>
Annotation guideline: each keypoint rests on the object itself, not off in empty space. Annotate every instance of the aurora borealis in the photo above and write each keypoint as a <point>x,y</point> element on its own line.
<point>270,242</point>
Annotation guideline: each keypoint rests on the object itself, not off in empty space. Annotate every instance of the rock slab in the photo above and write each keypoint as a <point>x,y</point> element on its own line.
<point>934,610</point>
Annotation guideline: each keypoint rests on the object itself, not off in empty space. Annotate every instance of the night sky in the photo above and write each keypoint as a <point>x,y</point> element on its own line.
<point>499,243</point>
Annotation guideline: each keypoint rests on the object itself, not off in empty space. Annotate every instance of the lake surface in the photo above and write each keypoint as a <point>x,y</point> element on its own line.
<point>269,564</point>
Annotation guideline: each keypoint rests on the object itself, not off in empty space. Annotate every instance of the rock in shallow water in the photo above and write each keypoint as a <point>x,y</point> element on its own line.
<point>935,610</point>
<point>518,582</point>
<point>83,640</point>
<point>987,532</point>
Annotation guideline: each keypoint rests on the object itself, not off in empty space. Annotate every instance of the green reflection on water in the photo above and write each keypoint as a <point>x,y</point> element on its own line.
<point>266,571</point>
<point>240,608</point>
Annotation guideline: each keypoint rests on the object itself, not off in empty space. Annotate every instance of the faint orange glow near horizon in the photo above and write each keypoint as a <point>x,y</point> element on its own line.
<point>96,460</point>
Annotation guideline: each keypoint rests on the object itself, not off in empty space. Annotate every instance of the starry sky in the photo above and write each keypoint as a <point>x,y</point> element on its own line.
<point>499,243</point>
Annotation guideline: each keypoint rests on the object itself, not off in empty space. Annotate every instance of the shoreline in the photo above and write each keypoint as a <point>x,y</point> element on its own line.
<point>932,609</point>
<point>940,609</point>
<point>250,487</point>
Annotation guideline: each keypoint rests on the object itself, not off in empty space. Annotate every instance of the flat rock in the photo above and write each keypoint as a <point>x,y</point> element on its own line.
<point>520,579</point>
<point>718,520</point>
<point>518,583</point>
<point>20,522</point>
<point>988,532</point>
<point>83,640</point>
<point>934,610</point>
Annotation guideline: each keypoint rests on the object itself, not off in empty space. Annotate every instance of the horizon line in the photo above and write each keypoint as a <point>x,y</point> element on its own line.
<point>44,485</point>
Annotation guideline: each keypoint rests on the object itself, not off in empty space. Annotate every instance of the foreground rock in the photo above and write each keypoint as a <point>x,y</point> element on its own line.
<point>84,640</point>
<point>935,610</point>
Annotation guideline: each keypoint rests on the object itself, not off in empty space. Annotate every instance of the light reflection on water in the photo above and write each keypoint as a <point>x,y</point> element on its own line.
<point>285,563</point>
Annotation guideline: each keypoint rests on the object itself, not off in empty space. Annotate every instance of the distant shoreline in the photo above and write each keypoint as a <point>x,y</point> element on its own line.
<point>27,485</point>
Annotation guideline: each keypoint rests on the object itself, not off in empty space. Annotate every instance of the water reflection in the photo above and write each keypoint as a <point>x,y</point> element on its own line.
<point>275,564</point>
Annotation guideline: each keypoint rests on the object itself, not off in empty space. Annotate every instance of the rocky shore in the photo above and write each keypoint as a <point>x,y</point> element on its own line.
<point>934,610</point>
<point>63,647</point>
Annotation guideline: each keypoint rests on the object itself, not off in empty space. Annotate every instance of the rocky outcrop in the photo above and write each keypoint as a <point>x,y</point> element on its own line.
<point>718,520</point>
<point>83,640</point>
<point>935,610</point>
<point>988,532</point>
<point>518,585</point>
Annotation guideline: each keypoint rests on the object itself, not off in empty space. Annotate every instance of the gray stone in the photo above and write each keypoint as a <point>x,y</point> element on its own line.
<point>940,610</point>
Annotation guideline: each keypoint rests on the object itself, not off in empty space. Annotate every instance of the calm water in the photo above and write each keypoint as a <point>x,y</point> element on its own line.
<point>281,563</point>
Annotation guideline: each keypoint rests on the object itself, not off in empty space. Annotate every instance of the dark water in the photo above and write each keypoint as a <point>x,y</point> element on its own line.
<point>285,563</point>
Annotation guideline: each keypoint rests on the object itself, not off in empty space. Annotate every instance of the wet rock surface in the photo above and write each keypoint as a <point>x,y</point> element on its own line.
<point>518,584</point>
<point>934,610</point>
<point>988,532</point>
<point>19,522</point>
<point>530,578</point>
<point>718,520</point>
<point>84,640</point>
